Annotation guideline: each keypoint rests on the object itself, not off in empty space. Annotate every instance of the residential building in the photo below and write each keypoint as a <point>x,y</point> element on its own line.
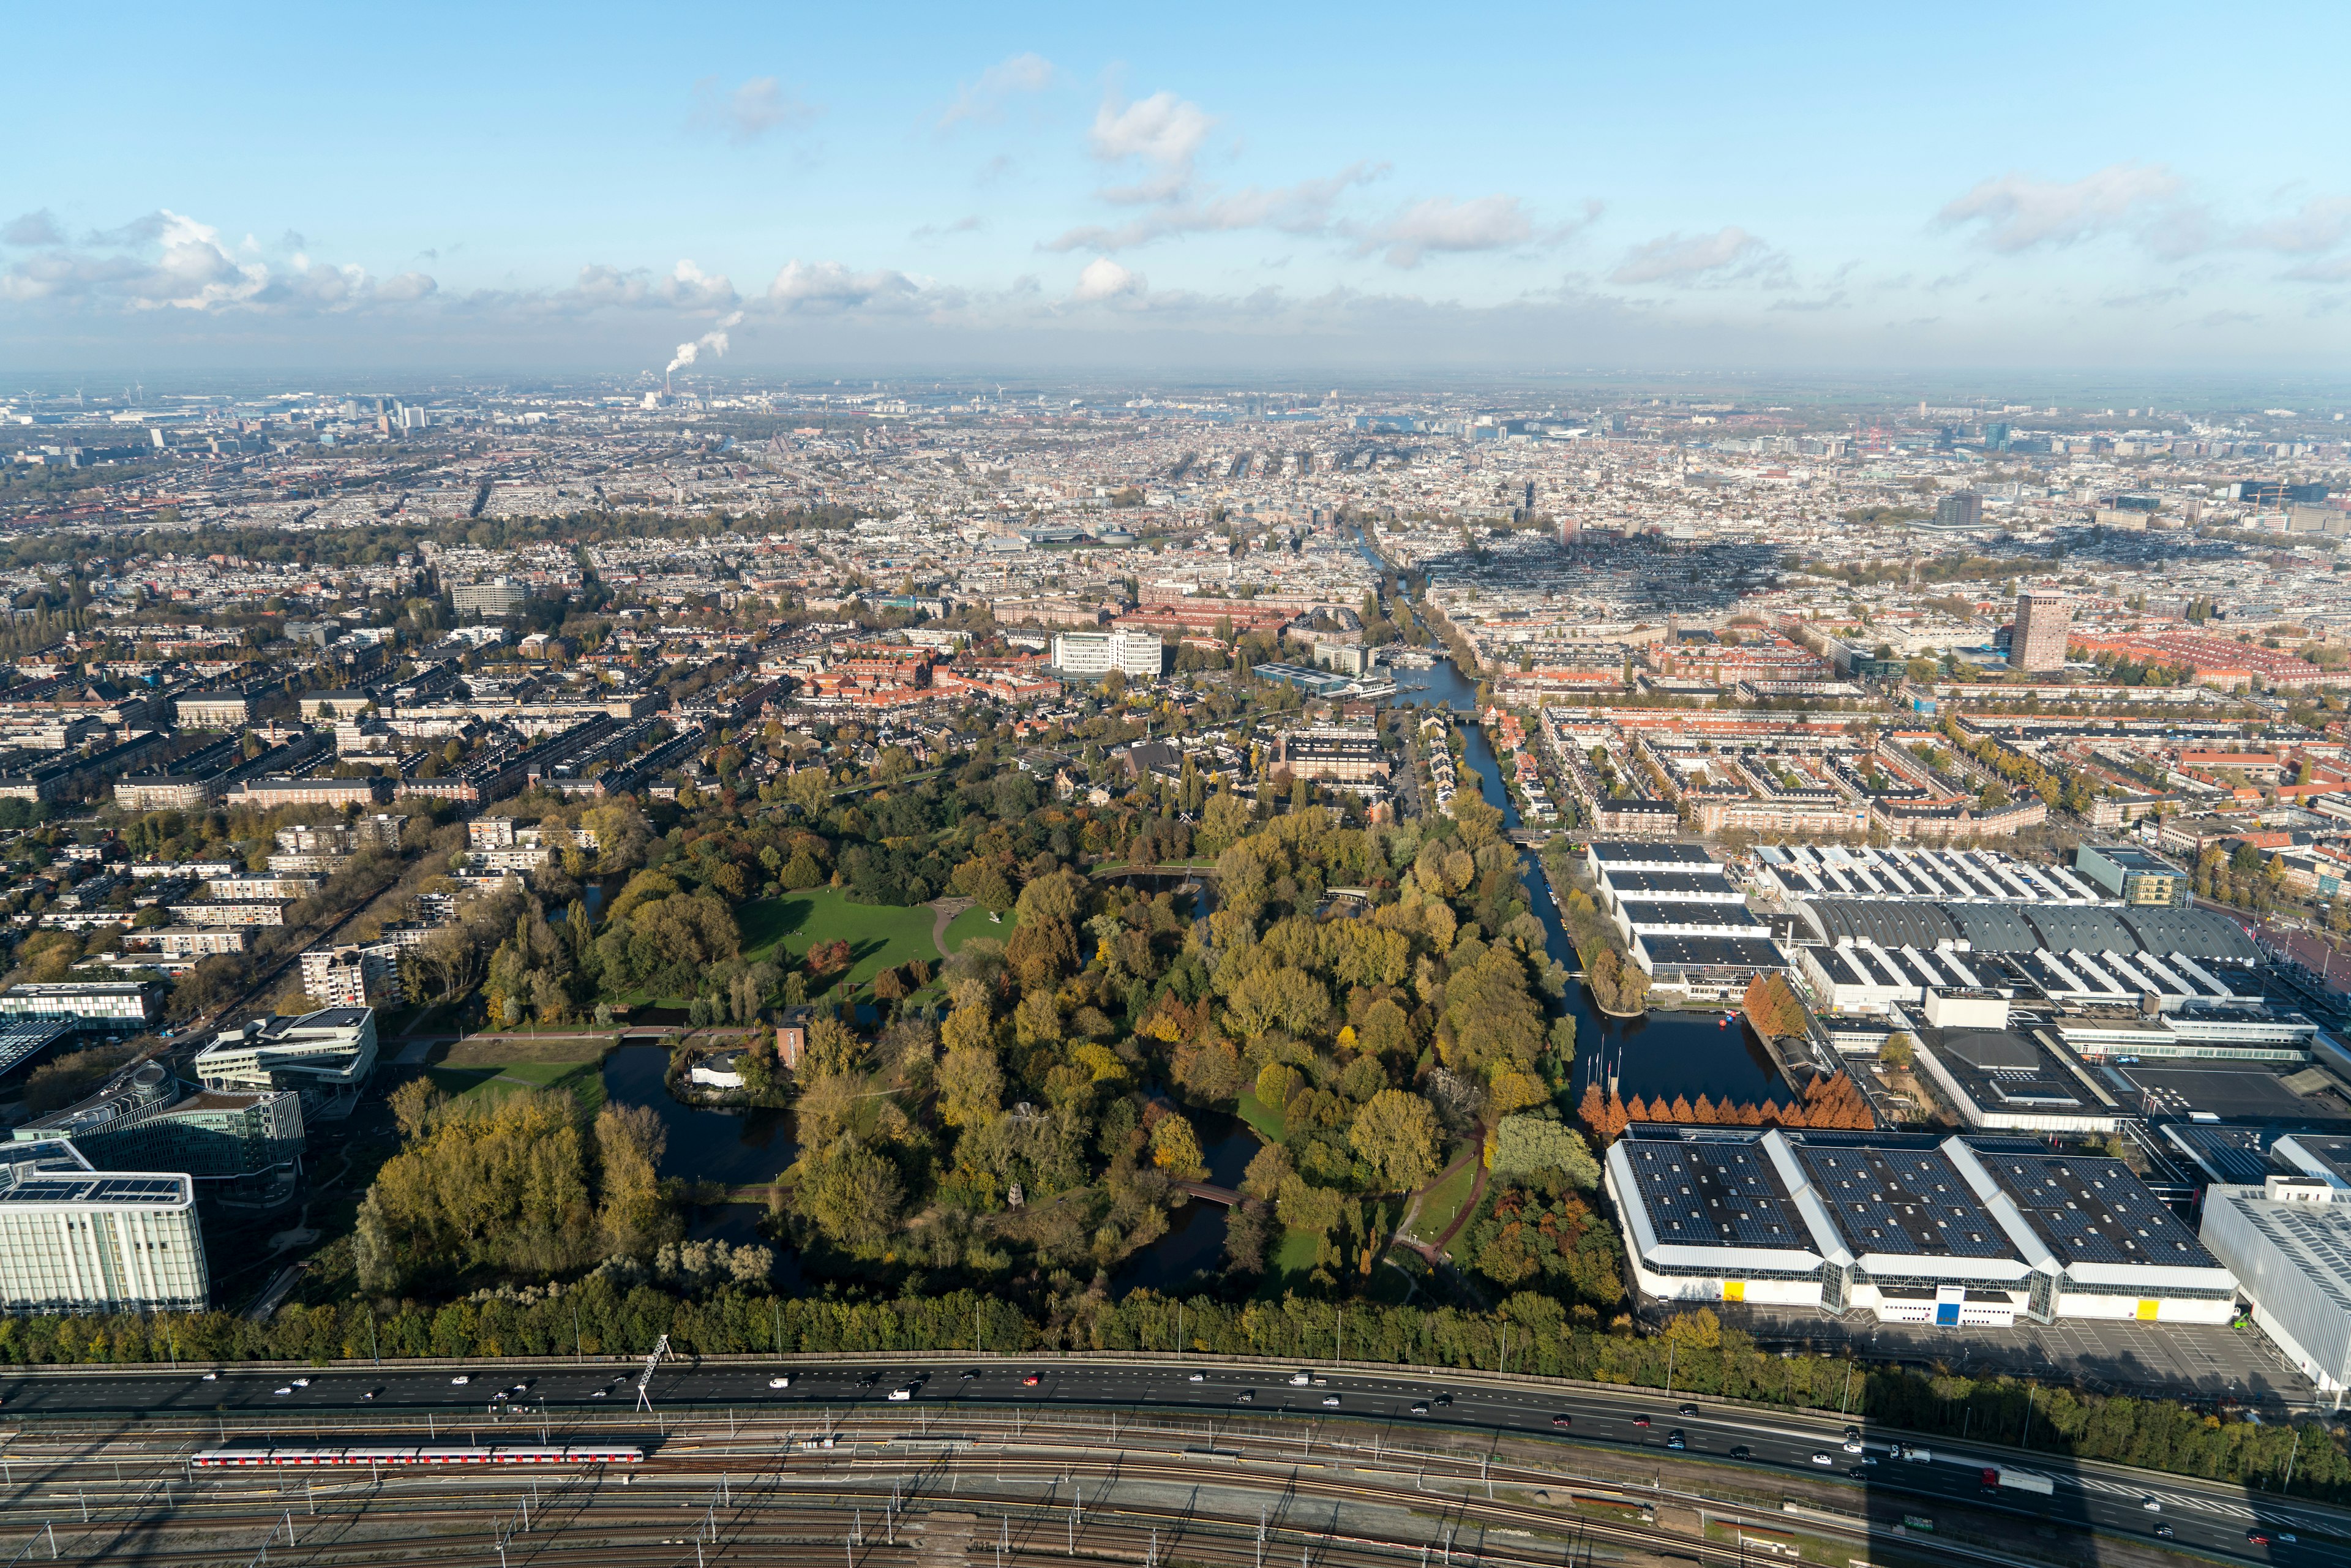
<point>2134,875</point>
<point>498,598</point>
<point>363,975</point>
<point>1962,510</point>
<point>2041,622</point>
<point>1346,754</point>
<point>1139,655</point>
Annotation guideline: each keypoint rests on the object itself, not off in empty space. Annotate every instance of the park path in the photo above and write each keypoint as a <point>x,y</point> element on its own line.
<point>1434,1250</point>
<point>943,911</point>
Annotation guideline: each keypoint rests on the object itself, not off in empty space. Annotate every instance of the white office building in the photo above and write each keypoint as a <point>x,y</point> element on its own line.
<point>1138,653</point>
<point>76,1240</point>
<point>326,1057</point>
<point>114,1007</point>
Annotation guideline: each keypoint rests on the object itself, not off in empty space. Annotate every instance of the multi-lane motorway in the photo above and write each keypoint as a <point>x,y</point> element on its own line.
<point>1674,1432</point>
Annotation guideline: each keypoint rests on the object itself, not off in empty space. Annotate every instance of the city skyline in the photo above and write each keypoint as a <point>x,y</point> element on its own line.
<point>1375,193</point>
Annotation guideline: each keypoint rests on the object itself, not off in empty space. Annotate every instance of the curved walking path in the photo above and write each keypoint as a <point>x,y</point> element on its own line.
<point>1434,1250</point>
<point>942,913</point>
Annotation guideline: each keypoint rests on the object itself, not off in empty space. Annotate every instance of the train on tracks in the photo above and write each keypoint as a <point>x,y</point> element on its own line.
<point>278,1457</point>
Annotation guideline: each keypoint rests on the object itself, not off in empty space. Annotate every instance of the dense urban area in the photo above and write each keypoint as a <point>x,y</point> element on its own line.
<point>1616,882</point>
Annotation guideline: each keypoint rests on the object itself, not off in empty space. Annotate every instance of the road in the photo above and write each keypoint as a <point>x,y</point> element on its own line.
<point>1375,1406</point>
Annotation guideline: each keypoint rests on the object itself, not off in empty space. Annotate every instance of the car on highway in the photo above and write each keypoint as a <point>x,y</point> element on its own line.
<point>301,1382</point>
<point>1858,1473</point>
<point>1852,1445</point>
<point>1247,1396</point>
<point>1330,1402</point>
<point>1420,1407</point>
<point>1300,1379</point>
<point>1676,1440</point>
<point>2256,1538</point>
<point>372,1394</point>
<point>461,1379</point>
<point>288,1389</point>
<point>212,1377</point>
<point>967,1376</point>
<point>1742,1452</point>
<point>1687,1410</point>
<point>1444,1401</point>
<point>1198,1377</point>
<point>902,1393</point>
<point>781,1380</point>
<point>1032,1380</point>
<point>1640,1420</point>
<point>2149,1504</point>
<point>601,1394</point>
<point>1562,1420</point>
<point>1822,1459</point>
<point>2164,1530</point>
<point>868,1380</point>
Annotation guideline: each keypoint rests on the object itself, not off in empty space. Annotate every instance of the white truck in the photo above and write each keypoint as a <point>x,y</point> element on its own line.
<point>1998,1478</point>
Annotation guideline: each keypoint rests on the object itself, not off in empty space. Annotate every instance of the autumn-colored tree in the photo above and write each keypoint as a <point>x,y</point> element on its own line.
<point>828,958</point>
<point>1682,1110</point>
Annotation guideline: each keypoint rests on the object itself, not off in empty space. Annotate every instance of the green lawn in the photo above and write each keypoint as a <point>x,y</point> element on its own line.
<point>1445,1201</point>
<point>881,935</point>
<point>973,922</point>
<point>1264,1119</point>
<point>583,1080</point>
<point>1294,1254</point>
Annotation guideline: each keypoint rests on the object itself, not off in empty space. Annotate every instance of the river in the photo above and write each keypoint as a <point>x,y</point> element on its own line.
<point>1664,1053</point>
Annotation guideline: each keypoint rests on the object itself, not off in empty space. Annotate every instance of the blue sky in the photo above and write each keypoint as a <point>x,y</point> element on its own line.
<point>1373,190</point>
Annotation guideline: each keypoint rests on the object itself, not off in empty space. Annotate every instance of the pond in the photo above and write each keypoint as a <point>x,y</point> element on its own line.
<point>1195,1242</point>
<point>738,1147</point>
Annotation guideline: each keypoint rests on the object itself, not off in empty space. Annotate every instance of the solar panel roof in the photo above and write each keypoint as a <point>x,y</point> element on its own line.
<point>1641,851</point>
<point>1715,1195</point>
<point>2093,1211</point>
<point>1907,1201</point>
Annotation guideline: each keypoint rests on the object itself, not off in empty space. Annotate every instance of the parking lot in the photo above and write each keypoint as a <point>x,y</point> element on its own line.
<point>2169,1360</point>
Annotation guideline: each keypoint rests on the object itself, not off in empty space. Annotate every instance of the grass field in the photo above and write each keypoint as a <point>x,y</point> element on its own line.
<point>508,1052</point>
<point>973,922</point>
<point>1287,1266</point>
<point>1264,1119</point>
<point>582,1080</point>
<point>1444,1201</point>
<point>782,930</point>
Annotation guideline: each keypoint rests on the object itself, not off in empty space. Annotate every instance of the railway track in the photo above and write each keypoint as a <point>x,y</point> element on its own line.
<point>711,1496</point>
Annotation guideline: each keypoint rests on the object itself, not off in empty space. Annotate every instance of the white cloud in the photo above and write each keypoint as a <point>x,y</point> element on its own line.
<point>1163,131</point>
<point>1442,224</point>
<point>1105,279</point>
<point>984,100</point>
<point>1685,260</point>
<point>2018,214</point>
<point>34,228</point>
<point>691,288</point>
<point>169,261</point>
<point>829,286</point>
<point>1302,209</point>
<point>760,105</point>
<point>2319,226</point>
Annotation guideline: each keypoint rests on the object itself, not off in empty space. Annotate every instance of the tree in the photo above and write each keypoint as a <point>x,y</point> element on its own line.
<point>1395,1133</point>
<point>970,1086</point>
<point>1280,996</point>
<point>633,1215</point>
<point>850,1193</point>
<point>1524,1145</point>
<point>1176,1148</point>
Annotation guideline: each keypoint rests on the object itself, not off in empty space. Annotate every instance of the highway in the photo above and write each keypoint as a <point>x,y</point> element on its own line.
<point>1245,1410</point>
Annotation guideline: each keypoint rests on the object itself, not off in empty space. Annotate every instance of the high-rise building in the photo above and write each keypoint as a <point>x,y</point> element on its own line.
<point>1961,510</point>
<point>2039,641</point>
<point>1139,653</point>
